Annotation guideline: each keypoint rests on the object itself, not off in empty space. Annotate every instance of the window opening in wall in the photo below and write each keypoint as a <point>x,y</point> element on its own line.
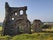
<point>21,12</point>
<point>12,18</point>
<point>15,13</point>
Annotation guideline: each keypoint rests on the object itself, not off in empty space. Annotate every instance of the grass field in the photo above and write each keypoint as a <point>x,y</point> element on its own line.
<point>0,28</point>
<point>33,36</point>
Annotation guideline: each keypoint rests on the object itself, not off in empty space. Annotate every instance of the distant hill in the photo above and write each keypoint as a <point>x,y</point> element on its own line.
<point>49,23</point>
<point>1,23</point>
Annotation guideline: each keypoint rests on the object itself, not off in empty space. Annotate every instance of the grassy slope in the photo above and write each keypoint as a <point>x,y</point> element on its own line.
<point>34,36</point>
<point>0,28</point>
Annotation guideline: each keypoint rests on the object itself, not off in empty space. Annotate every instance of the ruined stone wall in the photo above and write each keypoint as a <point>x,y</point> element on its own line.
<point>14,21</point>
<point>37,26</point>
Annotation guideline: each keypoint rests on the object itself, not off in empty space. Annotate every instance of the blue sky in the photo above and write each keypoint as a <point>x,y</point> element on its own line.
<point>37,9</point>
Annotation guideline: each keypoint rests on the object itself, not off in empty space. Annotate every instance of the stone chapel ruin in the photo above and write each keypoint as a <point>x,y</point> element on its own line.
<point>15,23</point>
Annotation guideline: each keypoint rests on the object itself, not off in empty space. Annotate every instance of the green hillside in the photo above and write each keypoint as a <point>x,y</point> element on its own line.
<point>33,36</point>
